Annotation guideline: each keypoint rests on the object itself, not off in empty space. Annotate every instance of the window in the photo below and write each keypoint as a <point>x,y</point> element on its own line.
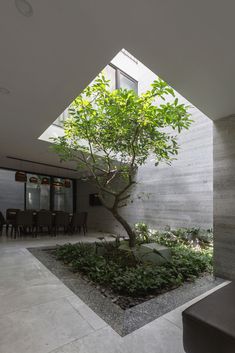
<point>50,193</point>
<point>126,82</point>
<point>37,193</point>
<point>119,79</point>
<point>62,195</point>
<point>61,119</point>
<point>110,74</point>
<point>11,192</point>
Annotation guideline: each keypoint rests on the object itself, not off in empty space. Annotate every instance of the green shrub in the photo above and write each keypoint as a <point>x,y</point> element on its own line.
<point>125,275</point>
<point>142,232</point>
<point>145,279</point>
<point>191,263</point>
<point>68,252</point>
<point>172,237</point>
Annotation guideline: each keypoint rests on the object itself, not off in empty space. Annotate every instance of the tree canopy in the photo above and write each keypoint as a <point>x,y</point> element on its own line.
<point>112,133</point>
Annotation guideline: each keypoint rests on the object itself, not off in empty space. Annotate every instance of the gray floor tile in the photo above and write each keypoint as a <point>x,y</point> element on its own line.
<point>38,314</point>
<point>42,328</point>
<point>175,316</point>
<point>24,276</point>
<point>19,299</point>
<point>160,336</point>
<point>89,315</point>
<point>101,341</point>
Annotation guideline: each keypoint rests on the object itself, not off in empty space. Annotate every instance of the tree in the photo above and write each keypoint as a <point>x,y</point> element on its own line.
<point>111,134</point>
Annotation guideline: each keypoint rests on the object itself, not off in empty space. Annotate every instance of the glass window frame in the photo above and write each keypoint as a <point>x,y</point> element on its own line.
<point>121,72</point>
<point>53,192</point>
<point>52,177</point>
<point>59,122</point>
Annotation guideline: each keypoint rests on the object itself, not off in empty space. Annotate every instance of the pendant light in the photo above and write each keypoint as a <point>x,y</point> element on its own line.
<point>21,176</point>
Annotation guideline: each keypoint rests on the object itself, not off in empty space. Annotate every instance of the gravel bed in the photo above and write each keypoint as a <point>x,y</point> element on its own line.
<point>123,321</point>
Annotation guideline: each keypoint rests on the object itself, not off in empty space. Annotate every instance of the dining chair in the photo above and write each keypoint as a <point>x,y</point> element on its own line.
<point>78,222</point>
<point>2,222</point>
<point>43,220</point>
<point>11,219</point>
<point>61,220</point>
<point>24,222</point>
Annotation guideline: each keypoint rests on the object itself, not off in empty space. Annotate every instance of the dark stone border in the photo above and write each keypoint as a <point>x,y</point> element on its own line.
<point>124,321</point>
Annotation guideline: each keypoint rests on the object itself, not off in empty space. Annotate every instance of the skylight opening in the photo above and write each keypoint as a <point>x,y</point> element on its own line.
<point>124,71</point>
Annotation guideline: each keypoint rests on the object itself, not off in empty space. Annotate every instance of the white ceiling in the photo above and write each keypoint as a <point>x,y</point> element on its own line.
<point>48,58</point>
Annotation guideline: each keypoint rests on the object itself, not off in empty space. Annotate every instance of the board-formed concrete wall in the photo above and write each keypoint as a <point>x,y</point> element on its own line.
<point>224,197</point>
<point>180,195</point>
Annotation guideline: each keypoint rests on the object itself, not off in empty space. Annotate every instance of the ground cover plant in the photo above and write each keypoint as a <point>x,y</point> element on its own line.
<point>127,276</point>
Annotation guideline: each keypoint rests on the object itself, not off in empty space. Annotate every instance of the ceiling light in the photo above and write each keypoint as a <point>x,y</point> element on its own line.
<point>4,90</point>
<point>24,7</point>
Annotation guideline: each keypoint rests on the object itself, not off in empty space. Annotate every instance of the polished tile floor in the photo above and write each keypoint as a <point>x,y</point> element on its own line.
<point>39,314</point>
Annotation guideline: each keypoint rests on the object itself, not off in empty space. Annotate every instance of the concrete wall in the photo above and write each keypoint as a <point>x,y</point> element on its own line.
<point>180,195</point>
<point>98,217</point>
<point>224,197</point>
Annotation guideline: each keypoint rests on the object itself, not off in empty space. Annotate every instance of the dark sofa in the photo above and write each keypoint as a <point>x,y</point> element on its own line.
<point>209,325</point>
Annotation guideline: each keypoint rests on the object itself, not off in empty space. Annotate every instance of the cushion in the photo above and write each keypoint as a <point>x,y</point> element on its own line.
<point>209,325</point>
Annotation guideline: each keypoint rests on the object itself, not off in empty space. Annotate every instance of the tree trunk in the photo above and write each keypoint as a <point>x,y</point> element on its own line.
<point>127,227</point>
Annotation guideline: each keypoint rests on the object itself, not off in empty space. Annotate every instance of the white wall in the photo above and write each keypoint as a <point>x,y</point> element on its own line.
<point>179,195</point>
